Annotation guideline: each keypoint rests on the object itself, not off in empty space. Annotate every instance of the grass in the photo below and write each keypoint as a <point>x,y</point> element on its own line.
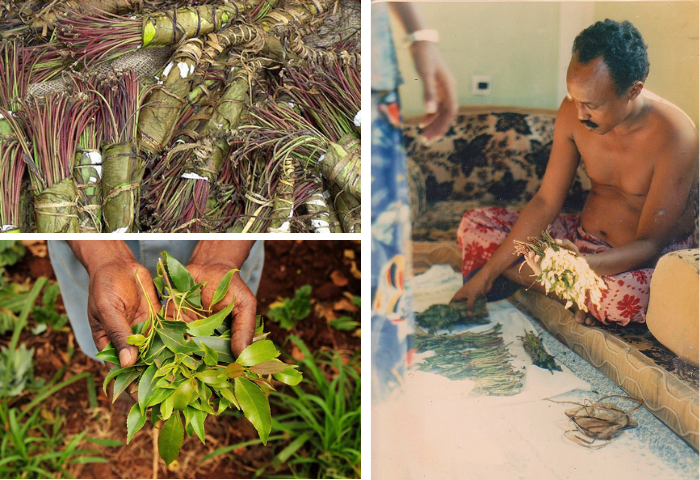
<point>32,442</point>
<point>320,419</point>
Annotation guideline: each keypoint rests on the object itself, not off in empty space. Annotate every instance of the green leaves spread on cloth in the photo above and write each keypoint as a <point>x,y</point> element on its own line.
<point>481,357</point>
<point>186,372</point>
<point>442,316</point>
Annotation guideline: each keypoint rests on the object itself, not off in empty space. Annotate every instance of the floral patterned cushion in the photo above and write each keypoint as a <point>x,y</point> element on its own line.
<point>491,156</point>
<point>440,220</point>
<point>416,190</point>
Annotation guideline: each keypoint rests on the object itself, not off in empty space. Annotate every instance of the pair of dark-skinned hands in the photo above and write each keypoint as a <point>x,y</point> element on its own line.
<point>116,300</point>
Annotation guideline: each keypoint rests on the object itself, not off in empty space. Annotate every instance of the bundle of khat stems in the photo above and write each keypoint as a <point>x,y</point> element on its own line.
<point>563,271</point>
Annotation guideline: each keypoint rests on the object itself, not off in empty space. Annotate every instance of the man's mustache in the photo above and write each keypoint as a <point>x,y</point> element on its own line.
<point>588,123</point>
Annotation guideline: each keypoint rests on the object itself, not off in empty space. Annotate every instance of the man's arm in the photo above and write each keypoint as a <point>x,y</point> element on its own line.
<point>439,90</point>
<point>539,212</point>
<point>121,293</point>
<point>675,172</point>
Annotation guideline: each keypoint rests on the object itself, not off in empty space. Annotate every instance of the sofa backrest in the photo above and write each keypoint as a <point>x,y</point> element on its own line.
<point>491,154</point>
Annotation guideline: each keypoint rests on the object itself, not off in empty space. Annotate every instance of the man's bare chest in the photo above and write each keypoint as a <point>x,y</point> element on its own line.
<point>624,167</point>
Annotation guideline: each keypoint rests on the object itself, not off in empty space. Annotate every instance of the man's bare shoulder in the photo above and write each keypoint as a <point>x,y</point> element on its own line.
<point>670,122</point>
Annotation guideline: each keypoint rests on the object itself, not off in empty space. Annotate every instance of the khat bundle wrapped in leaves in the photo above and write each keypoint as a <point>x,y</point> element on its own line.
<point>54,124</point>
<point>564,272</point>
<point>122,166</point>
<point>440,316</point>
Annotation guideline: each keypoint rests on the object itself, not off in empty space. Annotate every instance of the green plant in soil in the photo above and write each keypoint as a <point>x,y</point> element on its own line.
<point>287,311</point>
<point>345,322</point>
<point>321,421</point>
<point>186,371</point>
<point>32,439</point>
<point>11,252</point>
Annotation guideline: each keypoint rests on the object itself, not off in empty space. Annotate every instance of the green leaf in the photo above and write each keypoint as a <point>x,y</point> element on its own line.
<point>157,348</point>
<point>197,423</point>
<point>136,340</point>
<point>187,361</point>
<point>290,377</point>
<point>223,287</point>
<point>109,354</point>
<point>211,376</point>
<point>166,408</point>
<point>258,352</point>
<point>170,439</point>
<point>211,357</point>
<point>206,326</point>
<point>134,422</point>
<point>176,342</point>
<point>114,372</point>
<point>228,395</point>
<point>123,381</point>
<point>184,394</point>
<point>160,285</point>
<point>344,323</point>
<point>223,405</point>
<point>222,346</point>
<point>270,368</point>
<point>174,325</point>
<point>180,278</point>
<point>255,406</point>
<point>147,386</point>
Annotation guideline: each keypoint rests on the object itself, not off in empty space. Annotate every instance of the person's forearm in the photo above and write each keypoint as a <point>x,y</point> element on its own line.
<point>409,15</point>
<point>532,221</point>
<point>634,255</point>
<point>94,253</point>
<point>229,252</point>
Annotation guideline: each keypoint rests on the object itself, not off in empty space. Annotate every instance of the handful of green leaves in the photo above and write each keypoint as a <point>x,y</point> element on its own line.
<point>186,371</point>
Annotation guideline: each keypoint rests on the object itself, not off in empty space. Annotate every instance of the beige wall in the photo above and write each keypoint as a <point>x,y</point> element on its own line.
<point>524,50</point>
<point>496,39</point>
<point>670,29</point>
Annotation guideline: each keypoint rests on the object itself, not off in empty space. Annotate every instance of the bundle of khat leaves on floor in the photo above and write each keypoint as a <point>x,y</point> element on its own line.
<point>440,316</point>
<point>122,165</point>
<point>186,371</point>
<point>54,124</point>
<point>533,346</point>
<point>563,271</point>
<point>481,357</point>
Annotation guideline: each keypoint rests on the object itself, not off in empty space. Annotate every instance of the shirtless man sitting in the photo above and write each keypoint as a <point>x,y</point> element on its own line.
<point>641,154</point>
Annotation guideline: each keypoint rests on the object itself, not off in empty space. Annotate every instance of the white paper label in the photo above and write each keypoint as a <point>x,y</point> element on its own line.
<point>7,228</point>
<point>92,180</point>
<point>121,230</point>
<point>184,69</point>
<point>358,118</point>
<point>96,161</point>
<point>193,176</point>
<point>320,159</point>
<point>168,67</point>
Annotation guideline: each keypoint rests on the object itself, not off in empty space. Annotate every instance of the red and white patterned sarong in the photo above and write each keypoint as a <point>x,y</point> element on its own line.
<point>482,231</point>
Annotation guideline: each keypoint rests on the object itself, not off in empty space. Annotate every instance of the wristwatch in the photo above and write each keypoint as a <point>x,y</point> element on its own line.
<point>424,35</point>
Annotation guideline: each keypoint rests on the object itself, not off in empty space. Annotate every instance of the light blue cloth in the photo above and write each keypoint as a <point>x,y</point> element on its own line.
<point>73,278</point>
<point>385,70</point>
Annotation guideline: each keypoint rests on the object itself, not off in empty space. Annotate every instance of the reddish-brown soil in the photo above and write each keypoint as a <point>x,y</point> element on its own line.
<point>330,267</point>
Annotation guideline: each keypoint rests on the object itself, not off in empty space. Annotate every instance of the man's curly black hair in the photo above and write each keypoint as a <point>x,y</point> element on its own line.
<point>622,48</point>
